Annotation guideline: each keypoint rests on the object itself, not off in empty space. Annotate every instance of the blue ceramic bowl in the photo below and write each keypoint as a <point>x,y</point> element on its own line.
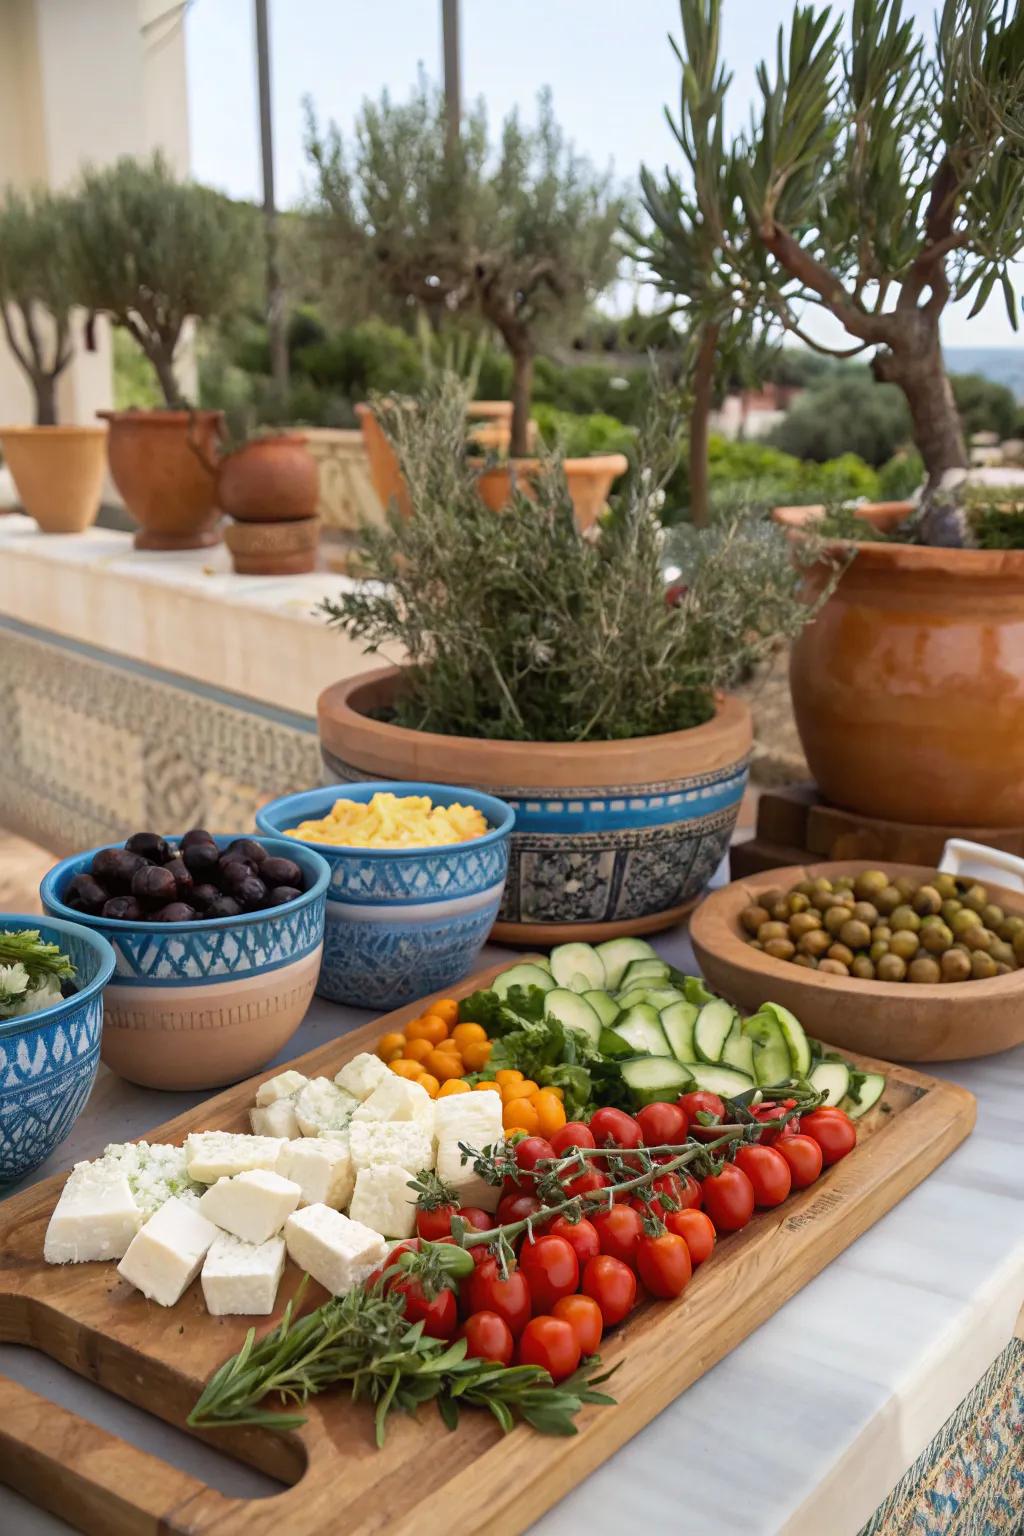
<point>207,1002</point>
<point>402,923</point>
<point>48,1059</point>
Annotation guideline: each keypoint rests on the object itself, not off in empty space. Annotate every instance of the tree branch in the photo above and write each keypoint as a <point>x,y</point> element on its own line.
<point>799,263</point>
<point>14,343</point>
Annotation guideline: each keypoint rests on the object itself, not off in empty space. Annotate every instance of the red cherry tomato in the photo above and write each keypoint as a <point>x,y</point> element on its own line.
<point>580,1235</point>
<point>439,1314</point>
<point>677,1196</point>
<point>586,1183</point>
<point>697,1231</point>
<point>618,1232</point>
<point>516,1207</point>
<point>583,1315</point>
<point>486,1291</point>
<point>803,1155</point>
<point>663,1125</point>
<point>833,1130</point>
<point>473,1216</point>
<point>551,1343</point>
<point>773,1111</point>
<point>551,1270</point>
<point>612,1285</point>
<point>488,1337</point>
<point>435,1224</point>
<point>614,1128</point>
<point>528,1153</point>
<point>728,1198</point>
<point>664,1264</point>
<point>768,1172</point>
<point>572,1134</point>
<point>702,1103</point>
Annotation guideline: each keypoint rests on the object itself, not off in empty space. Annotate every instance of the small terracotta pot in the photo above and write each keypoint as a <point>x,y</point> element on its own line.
<point>270,480</point>
<point>164,465</point>
<point>274,549</point>
<point>589,482</point>
<point>384,471</point>
<point>58,473</point>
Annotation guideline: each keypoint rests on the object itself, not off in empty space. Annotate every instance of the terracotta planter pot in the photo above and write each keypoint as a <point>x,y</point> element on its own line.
<point>908,688</point>
<point>883,515</point>
<point>58,473</point>
<point>589,481</point>
<point>163,464</point>
<point>274,549</point>
<point>384,471</point>
<point>610,837</point>
<point>270,480</point>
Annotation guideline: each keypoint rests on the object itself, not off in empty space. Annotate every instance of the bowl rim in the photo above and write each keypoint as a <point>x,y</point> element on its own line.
<point>118,925</point>
<point>496,810</point>
<point>102,946</point>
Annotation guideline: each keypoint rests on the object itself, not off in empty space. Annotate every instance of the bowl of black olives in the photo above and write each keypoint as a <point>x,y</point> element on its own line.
<point>218,943</point>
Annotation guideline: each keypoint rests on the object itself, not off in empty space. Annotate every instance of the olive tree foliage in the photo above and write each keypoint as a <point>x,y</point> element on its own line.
<point>881,178</point>
<point>522,232</point>
<point>37,291</point>
<point>151,252</point>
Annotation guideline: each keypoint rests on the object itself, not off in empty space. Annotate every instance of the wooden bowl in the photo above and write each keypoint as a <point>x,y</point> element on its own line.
<point>895,1020</point>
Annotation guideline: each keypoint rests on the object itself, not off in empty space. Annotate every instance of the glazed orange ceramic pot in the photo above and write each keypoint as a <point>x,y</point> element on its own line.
<point>270,480</point>
<point>58,473</point>
<point>589,482</point>
<point>908,688</point>
<point>164,464</point>
<point>384,471</point>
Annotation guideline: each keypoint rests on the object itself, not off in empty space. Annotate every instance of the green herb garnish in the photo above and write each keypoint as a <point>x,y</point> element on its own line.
<point>25,947</point>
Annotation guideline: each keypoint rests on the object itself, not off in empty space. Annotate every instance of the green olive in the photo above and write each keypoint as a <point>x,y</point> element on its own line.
<point>925,971</point>
<point>755,944</point>
<point>965,920</point>
<point>904,944</point>
<point>1009,929</point>
<point>803,922</point>
<point>869,882</point>
<point>927,899</point>
<point>903,917</point>
<point>950,908</point>
<point>821,900</point>
<point>814,943</point>
<point>1003,970</point>
<point>983,966</point>
<point>821,884</point>
<point>906,887</point>
<point>881,931</point>
<point>1002,953</point>
<point>855,934</point>
<point>945,885</point>
<point>976,897</point>
<point>981,938</point>
<point>833,967</point>
<point>841,952</point>
<point>863,967</point>
<point>866,912</point>
<point>935,938</point>
<point>878,949</point>
<point>956,966</point>
<point>769,931</point>
<point>835,918</point>
<point>780,911</point>
<point>752,918</point>
<point>769,898</point>
<point>888,899</point>
<point>891,968</point>
<point>808,961</point>
<point>804,888</point>
<point>843,883</point>
<point>780,949</point>
<point>797,902</point>
<point>993,915</point>
<point>1018,946</point>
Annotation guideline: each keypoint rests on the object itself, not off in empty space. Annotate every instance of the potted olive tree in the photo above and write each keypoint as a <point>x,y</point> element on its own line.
<point>552,667</point>
<point>58,470</point>
<point>153,252</point>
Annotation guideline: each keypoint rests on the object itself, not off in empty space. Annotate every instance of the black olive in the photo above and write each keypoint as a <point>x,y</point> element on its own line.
<point>174,912</point>
<point>125,908</point>
<point>233,873</point>
<point>252,893</point>
<point>154,885</point>
<point>224,906</point>
<point>203,895</point>
<point>247,848</point>
<point>114,867</point>
<point>197,837</point>
<point>282,893</point>
<point>85,894</point>
<point>201,859</point>
<point>150,845</point>
<point>278,871</point>
<point>182,878</point>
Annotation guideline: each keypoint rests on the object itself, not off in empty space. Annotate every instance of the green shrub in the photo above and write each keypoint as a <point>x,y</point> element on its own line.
<point>847,412</point>
<point>984,406</point>
<point>901,477</point>
<point>577,436</point>
<point>766,477</point>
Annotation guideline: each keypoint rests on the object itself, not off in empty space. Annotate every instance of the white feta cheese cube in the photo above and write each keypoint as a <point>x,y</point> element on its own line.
<point>96,1217</point>
<point>362,1075</point>
<point>322,1169</point>
<point>275,1119</point>
<point>336,1251</point>
<point>469,1187</point>
<point>253,1205</point>
<point>402,1142</point>
<point>474,1118</point>
<point>166,1254</point>
<point>240,1278</point>
<point>284,1086</point>
<point>212,1155</point>
<point>383,1200</point>
<point>323,1109</point>
<point>398,1098</point>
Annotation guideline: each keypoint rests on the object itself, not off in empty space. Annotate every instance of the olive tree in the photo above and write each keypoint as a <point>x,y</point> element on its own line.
<point>37,291</point>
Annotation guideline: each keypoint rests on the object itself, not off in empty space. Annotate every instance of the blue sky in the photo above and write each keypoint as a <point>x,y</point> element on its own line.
<point>607,61</point>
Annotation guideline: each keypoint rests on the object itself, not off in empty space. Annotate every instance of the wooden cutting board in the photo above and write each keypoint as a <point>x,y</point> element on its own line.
<point>425,1480</point>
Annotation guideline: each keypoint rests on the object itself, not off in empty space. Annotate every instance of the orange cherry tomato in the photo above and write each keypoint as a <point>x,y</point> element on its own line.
<point>445,1008</point>
<point>443,1065</point>
<point>417,1050</point>
<point>550,1112</point>
<point>468,1034</point>
<point>427,1028</point>
<point>430,1083</point>
<point>390,1046</point>
<point>520,1115</point>
<point>508,1075</point>
<point>488,1087</point>
<point>453,1085</point>
<point>406,1068</point>
<point>476,1055</point>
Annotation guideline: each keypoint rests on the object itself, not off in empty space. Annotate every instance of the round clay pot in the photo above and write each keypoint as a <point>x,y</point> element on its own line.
<point>589,482</point>
<point>384,471</point>
<point>58,473</point>
<point>164,464</point>
<point>610,838</point>
<point>274,549</point>
<point>270,480</point>
<point>908,688</point>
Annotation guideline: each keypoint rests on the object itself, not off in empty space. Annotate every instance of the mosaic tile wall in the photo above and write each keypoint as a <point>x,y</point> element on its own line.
<point>92,748</point>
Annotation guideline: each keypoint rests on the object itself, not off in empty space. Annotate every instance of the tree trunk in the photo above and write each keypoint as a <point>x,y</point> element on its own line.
<point>703,398</point>
<point>163,365</point>
<point>45,386</point>
<point>920,371</point>
<point>522,391</point>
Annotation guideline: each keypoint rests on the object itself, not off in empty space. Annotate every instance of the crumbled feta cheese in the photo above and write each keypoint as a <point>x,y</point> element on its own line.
<point>322,1169</point>
<point>155,1171</point>
<point>276,1119</point>
<point>398,1098</point>
<point>474,1118</point>
<point>402,1142</point>
<point>383,1200</point>
<point>323,1109</point>
<point>212,1155</point>
<point>335,1250</point>
<point>254,1205</point>
<point>166,1254</point>
<point>469,1187</point>
<point>96,1217</point>
<point>362,1075</point>
<point>284,1086</point>
<point>241,1278</point>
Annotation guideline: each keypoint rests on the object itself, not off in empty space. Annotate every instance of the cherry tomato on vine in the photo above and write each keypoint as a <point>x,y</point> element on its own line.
<point>439,1314</point>
<point>770,1110</point>
<point>473,1216</point>
<point>516,1207</point>
<point>551,1270</point>
<point>436,1223</point>
<point>614,1128</point>
<point>572,1134</point>
<point>612,1285</point>
<point>663,1125</point>
<point>697,1231</point>
<point>728,1198</point>
<point>551,1343</point>
<point>833,1130</point>
<point>580,1235</point>
<point>486,1291</point>
<point>528,1153</point>
<point>488,1337</point>
<point>583,1315</point>
<point>618,1231</point>
<point>586,1183</point>
<point>767,1171</point>
<point>664,1264</point>
<point>803,1155</point>
<point>702,1102</point>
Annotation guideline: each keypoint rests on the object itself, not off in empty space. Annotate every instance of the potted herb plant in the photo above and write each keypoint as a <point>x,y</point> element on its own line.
<point>152,252</point>
<point>58,470</point>
<point>551,668</point>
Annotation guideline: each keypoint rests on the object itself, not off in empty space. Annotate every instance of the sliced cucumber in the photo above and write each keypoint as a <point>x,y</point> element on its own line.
<point>677,1020</point>
<point>641,1026</point>
<point>695,991</point>
<point>738,1052</point>
<point>574,1012</point>
<point>715,1023</point>
<point>714,1078</point>
<point>612,1044</point>
<point>771,1054</point>
<point>525,975</point>
<point>661,997</point>
<point>616,954</point>
<point>604,1005</point>
<point>793,1032</point>
<point>633,995</point>
<point>864,1096</point>
<point>656,1079</point>
<point>651,971</point>
<point>569,960</point>
<point>832,1078</point>
<point>580,983</point>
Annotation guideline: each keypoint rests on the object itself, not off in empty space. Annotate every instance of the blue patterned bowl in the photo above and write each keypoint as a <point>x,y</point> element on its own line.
<point>48,1059</point>
<point>204,1003</point>
<point>401,924</point>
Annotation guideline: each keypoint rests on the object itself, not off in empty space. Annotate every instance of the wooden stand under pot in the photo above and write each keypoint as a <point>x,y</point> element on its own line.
<point>270,487</point>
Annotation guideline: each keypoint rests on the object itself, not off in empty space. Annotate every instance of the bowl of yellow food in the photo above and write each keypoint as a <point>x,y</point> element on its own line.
<point>417,873</point>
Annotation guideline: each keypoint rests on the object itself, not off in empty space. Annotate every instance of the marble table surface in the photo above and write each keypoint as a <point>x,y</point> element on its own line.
<point>803,1428</point>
